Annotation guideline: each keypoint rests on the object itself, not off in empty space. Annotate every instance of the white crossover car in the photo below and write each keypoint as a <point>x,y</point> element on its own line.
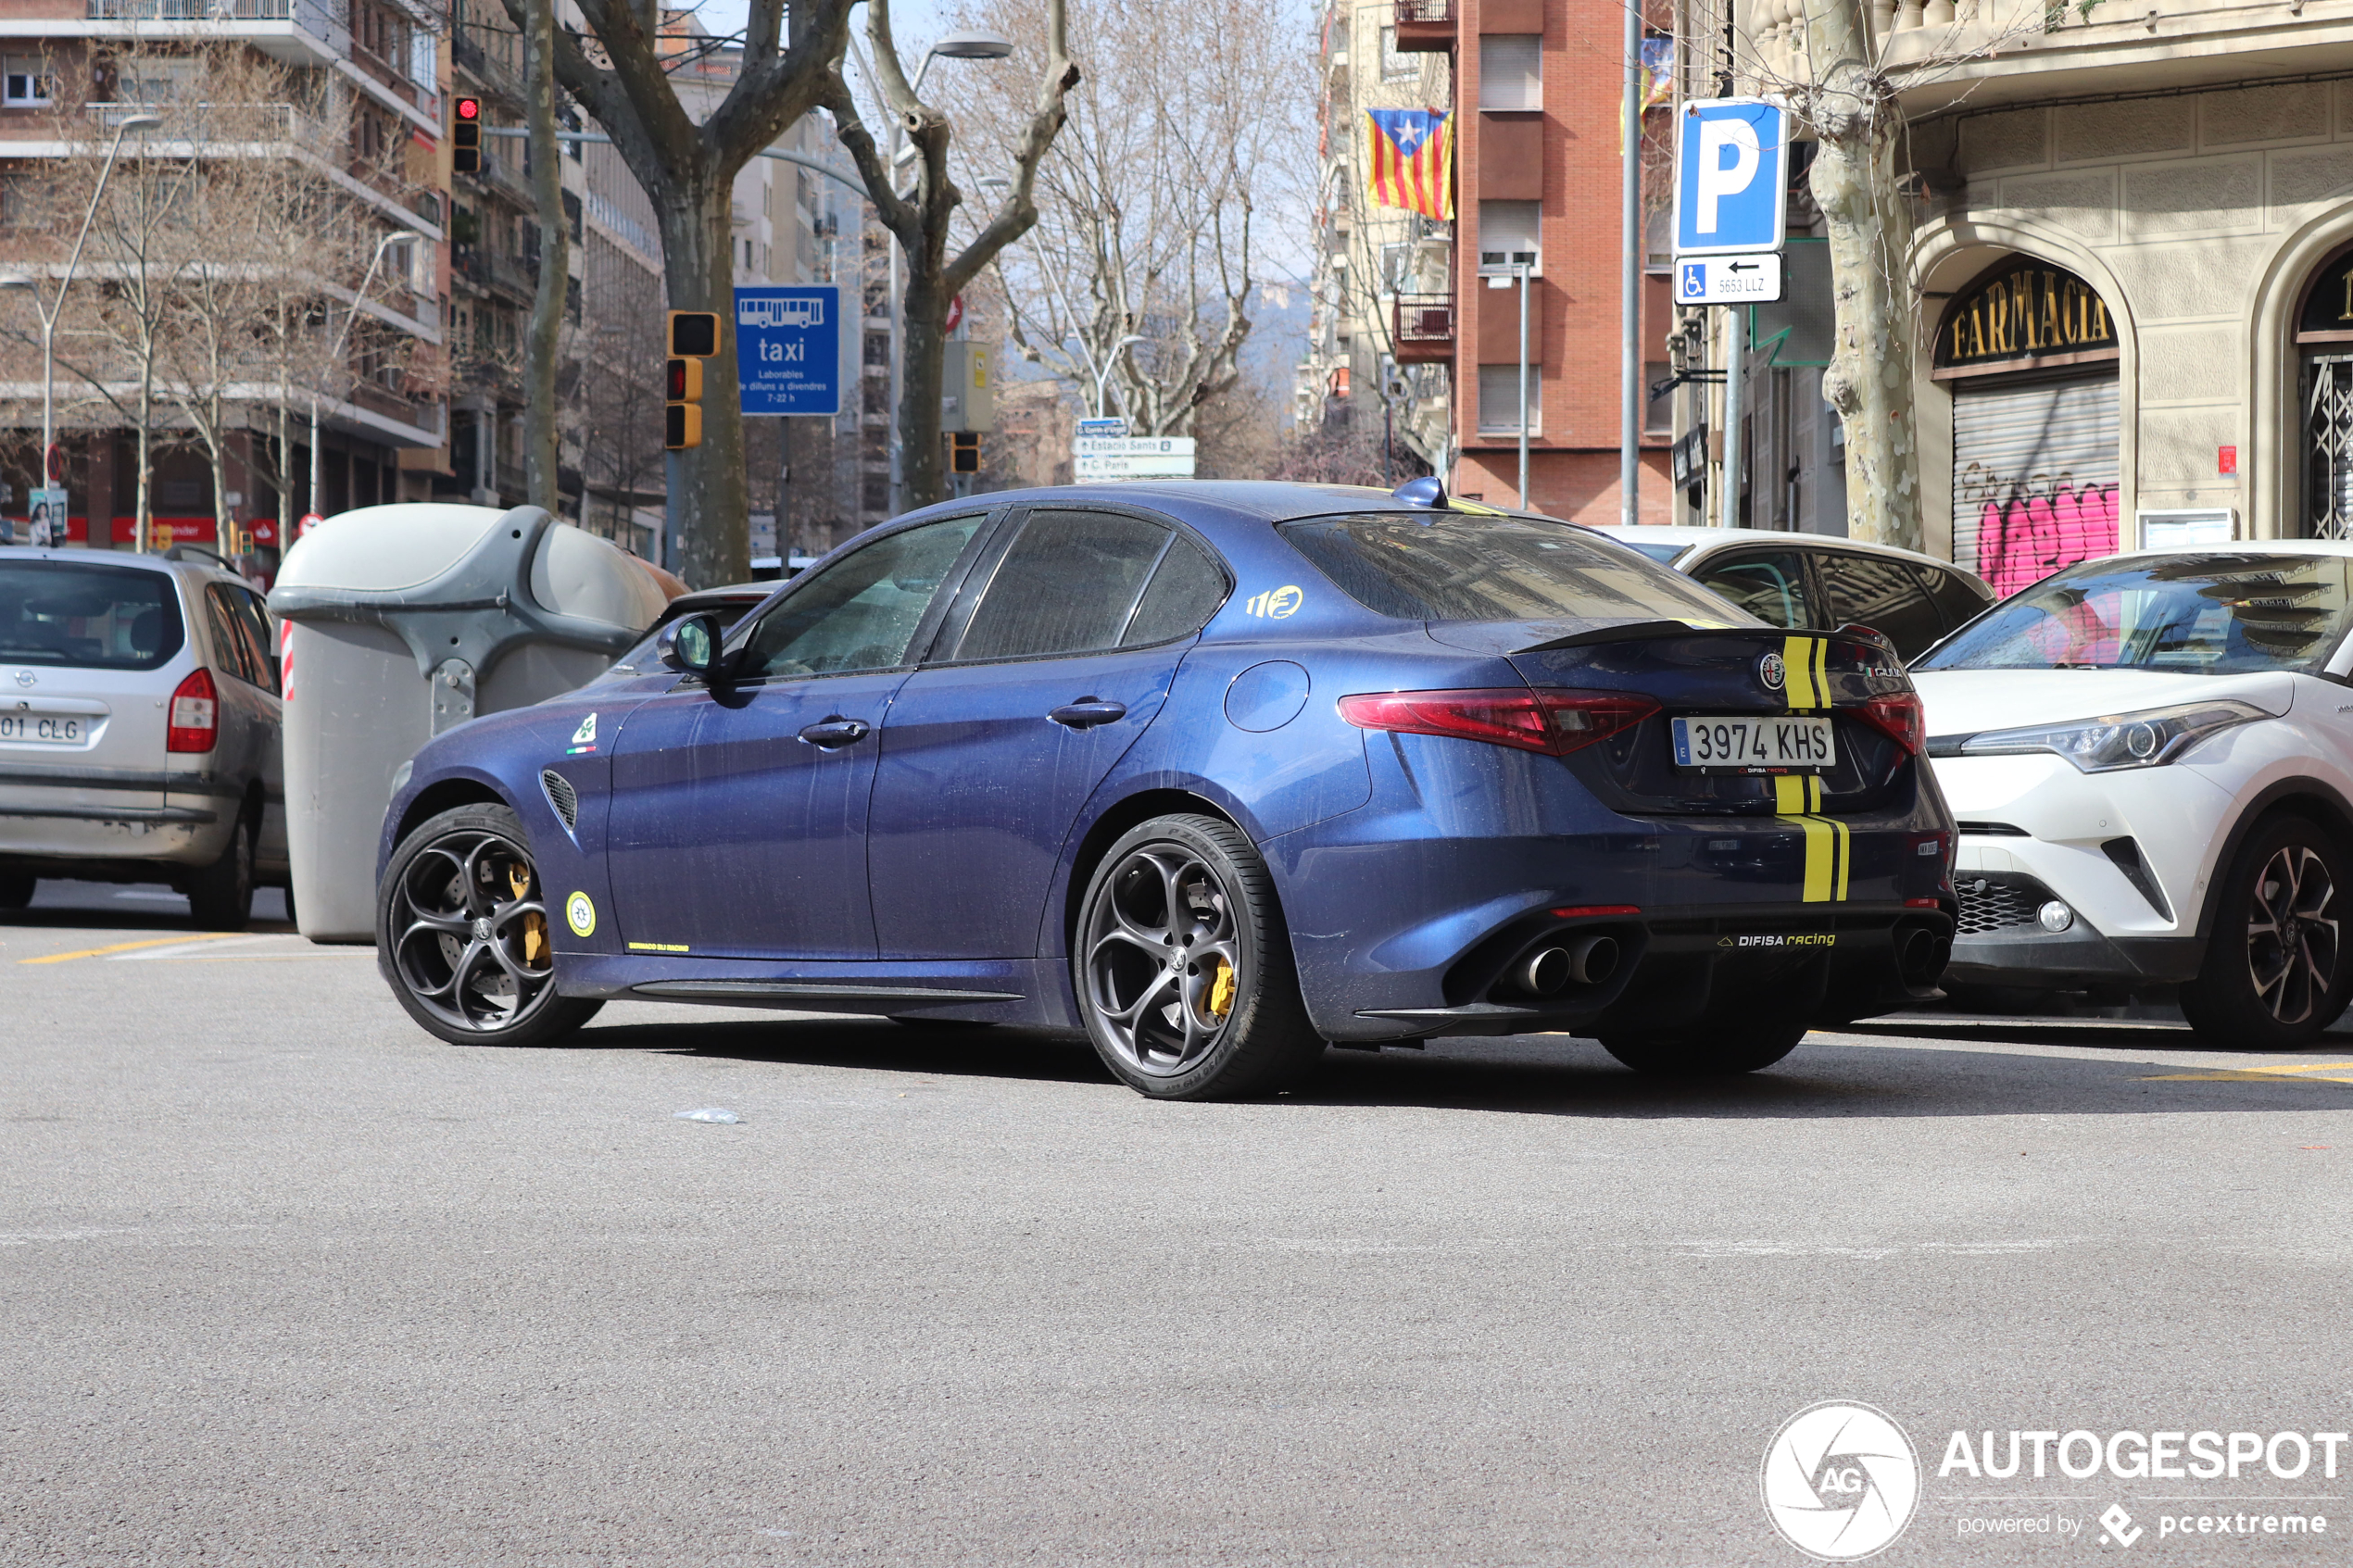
<point>2150,758</point>
<point>1799,580</point>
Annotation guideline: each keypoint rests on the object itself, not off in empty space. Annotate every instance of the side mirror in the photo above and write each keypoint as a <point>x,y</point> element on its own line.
<point>690,644</point>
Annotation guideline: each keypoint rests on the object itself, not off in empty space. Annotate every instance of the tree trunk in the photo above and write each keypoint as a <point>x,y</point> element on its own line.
<point>1869,379</point>
<point>923,377</point>
<point>710,496</point>
<point>542,454</point>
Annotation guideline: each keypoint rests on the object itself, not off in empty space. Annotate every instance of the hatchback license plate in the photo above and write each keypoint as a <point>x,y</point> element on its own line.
<point>1748,743</point>
<point>43,729</point>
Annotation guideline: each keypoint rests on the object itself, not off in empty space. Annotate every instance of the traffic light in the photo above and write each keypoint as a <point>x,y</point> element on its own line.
<point>694,337</point>
<point>963,451</point>
<point>465,136</point>
<point>694,334</point>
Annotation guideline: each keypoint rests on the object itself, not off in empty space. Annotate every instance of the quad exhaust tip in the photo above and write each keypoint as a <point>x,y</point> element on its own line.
<point>1587,961</point>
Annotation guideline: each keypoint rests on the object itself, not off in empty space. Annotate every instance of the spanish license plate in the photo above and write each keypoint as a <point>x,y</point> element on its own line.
<point>1750,743</point>
<point>45,729</point>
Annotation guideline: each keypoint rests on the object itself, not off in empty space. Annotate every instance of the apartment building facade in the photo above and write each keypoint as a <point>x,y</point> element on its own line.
<point>359,117</point>
<point>1536,90</point>
<point>2132,264</point>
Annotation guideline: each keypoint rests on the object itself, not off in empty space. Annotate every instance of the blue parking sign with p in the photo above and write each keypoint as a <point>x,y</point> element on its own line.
<point>1731,176</point>
<point>788,349</point>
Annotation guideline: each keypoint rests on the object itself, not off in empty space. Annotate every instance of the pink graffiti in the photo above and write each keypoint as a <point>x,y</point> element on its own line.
<point>2024,540</point>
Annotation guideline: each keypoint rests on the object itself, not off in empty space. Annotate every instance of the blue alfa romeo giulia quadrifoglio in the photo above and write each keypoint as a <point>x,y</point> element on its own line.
<point>1217,773</point>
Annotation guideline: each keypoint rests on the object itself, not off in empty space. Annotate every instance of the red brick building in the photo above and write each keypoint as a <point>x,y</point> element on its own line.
<point>1539,86</point>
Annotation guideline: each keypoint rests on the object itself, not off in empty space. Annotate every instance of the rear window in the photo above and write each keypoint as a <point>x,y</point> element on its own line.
<point>88,617</point>
<point>1449,566</point>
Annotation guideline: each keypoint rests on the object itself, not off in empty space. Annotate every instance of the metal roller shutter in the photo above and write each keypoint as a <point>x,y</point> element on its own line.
<point>2034,478</point>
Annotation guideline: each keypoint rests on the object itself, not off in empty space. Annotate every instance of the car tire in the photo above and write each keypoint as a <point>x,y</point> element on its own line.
<point>1183,968</point>
<point>1713,1056</point>
<point>462,935</point>
<point>17,888</point>
<point>2276,973</point>
<point>221,895</point>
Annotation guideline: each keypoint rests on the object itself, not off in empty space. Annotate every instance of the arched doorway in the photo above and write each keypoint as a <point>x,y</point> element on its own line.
<point>2324,385</point>
<point>2028,352</point>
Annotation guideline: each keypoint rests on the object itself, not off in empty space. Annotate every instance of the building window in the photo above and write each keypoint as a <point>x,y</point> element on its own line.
<point>1499,400</point>
<point>1511,71</point>
<point>27,84</point>
<point>1395,67</point>
<point>1510,234</point>
<point>1659,412</point>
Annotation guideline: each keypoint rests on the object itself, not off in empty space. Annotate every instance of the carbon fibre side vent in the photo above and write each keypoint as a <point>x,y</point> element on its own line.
<point>561,797</point>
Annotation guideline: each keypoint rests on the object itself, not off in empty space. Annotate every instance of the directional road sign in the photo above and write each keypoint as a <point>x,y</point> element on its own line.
<point>788,349</point>
<point>1098,429</point>
<point>1727,279</point>
<point>1731,176</point>
<point>1132,457</point>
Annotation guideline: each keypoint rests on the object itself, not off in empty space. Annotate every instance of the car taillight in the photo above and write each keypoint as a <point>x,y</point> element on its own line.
<point>196,714</point>
<point>1898,716</point>
<point>1554,722</point>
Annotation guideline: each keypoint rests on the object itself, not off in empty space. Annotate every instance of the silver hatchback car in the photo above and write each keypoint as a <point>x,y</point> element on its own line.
<point>138,727</point>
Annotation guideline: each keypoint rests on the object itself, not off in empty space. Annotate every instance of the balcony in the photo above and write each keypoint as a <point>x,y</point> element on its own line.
<point>297,32</point>
<point>1422,328</point>
<point>1425,26</point>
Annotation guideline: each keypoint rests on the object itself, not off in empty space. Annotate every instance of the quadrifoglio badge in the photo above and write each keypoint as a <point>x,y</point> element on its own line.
<point>1841,1481</point>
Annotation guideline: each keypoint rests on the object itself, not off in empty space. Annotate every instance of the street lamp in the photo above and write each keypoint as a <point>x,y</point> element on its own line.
<point>54,309</point>
<point>335,356</point>
<point>1110,358</point>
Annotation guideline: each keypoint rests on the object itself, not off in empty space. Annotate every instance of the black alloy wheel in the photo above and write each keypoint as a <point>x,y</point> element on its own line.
<point>1183,966</point>
<point>221,895</point>
<point>2275,974</point>
<point>462,933</point>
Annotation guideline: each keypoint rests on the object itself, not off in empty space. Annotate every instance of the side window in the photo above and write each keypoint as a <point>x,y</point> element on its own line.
<point>229,637</point>
<point>1770,584</point>
<point>1071,584</point>
<point>1959,602</point>
<point>254,622</point>
<point>860,612</point>
<point>1183,594</point>
<point>1881,593</point>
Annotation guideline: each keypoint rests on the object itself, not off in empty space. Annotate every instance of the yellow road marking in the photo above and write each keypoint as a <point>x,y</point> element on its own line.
<point>2322,1071</point>
<point>128,946</point>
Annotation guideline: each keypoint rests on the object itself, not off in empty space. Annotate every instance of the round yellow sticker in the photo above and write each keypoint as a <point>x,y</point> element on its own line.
<point>581,915</point>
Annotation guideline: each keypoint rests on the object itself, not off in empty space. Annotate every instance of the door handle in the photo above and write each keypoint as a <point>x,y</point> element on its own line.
<point>1087,713</point>
<point>828,734</point>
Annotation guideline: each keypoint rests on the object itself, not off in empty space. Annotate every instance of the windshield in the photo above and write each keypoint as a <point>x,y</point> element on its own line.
<point>1446,566</point>
<point>89,617</point>
<point>2210,613</point>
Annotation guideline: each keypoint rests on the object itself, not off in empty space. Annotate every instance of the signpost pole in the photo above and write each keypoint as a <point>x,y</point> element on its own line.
<point>1735,368</point>
<point>1521,268</point>
<point>1630,421</point>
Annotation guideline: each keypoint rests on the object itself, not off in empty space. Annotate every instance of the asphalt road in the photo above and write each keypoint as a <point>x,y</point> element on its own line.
<point>284,1280</point>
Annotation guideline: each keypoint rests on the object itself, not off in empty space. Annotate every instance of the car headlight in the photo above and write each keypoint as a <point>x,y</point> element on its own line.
<point>2120,740</point>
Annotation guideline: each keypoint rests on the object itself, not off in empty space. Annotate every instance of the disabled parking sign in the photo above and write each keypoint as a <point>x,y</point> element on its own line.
<point>788,349</point>
<point>1731,176</point>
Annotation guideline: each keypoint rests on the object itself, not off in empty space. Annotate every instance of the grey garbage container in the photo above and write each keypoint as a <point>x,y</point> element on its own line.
<point>403,620</point>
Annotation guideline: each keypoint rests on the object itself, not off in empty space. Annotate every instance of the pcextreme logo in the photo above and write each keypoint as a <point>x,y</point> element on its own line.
<point>1840,1481</point>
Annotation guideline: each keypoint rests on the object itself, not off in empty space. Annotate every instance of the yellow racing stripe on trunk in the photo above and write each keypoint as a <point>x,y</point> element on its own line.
<point>1798,674</point>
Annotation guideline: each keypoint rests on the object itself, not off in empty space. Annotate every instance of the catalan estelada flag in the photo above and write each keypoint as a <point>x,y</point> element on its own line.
<point>1409,161</point>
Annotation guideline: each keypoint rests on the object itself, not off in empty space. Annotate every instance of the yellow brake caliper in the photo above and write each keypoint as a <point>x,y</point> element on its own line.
<point>535,926</point>
<point>1221,991</point>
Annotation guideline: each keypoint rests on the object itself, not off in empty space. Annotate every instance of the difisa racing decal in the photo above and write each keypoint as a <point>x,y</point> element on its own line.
<point>1842,1480</point>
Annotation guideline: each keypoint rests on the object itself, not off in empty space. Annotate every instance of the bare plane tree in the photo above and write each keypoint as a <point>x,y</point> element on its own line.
<point>688,169</point>
<point>921,218</point>
<point>1187,141</point>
